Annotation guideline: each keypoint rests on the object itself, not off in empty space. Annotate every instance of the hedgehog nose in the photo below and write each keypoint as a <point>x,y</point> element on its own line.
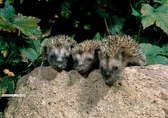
<point>80,69</point>
<point>107,74</point>
<point>59,67</point>
<point>59,60</point>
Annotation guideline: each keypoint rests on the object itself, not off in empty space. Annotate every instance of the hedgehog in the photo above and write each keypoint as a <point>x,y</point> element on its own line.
<point>116,53</point>
<point>56,52</point>
<point>85,56</point>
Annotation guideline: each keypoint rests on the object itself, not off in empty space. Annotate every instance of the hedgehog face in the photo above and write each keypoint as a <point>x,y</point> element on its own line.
<point>85,62</point>
<point>111,67</point>
<point>58,57</point>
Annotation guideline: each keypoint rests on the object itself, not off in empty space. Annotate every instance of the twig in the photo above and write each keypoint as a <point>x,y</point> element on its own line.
<point>161,37</point>
<point>104,18</point>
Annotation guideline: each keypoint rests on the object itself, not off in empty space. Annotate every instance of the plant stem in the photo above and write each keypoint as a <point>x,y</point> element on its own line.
<point>9,57</point>
<point>161,37</point>
<point>139,32</point>
<point>104,18</point>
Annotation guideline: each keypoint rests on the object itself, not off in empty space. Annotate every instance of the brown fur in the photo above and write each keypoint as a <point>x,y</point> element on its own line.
<point>85,56</point>
<point>56,51</point>
<point>116,52</point>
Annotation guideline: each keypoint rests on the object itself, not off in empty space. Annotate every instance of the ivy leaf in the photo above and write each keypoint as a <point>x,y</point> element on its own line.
<point>158,16</point>
<point>153,54</point>
<point>116,25</point>
<point>27,25</point>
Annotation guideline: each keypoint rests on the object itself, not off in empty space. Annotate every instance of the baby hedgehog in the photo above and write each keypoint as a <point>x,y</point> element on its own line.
<point>85,56</point>
<point>117,52</point>
<point>56,51</point>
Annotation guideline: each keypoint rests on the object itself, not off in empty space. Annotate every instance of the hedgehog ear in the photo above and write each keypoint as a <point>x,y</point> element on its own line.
<point>45,53</point>
<point>97,51</point>
<point>122,54</point>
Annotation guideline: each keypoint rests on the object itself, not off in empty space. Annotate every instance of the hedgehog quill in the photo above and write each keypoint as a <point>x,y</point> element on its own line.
<point>56,52</point>
<point>117,52</point>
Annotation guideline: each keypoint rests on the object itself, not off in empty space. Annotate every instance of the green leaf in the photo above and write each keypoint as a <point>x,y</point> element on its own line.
<point>7,12</point>
<point>27,25</point>
<point>161,1</point>
<point>165,47</point>
<point>144,40</point>
<point>7,85</point>
<point>116,25</point>
<point>153,54</point>
<point>135,12</point>
<point>30,53</point>
<point>97,36</point>
<point>33,52</point>
<point>65,13</point>
<point>158,16</point>
<point>5,15</point>
<point>14,48</point>
<point>149,49</point>
<point>3,45</point>
<point>148,17</point>
<point>6,26</point>
<point>1,61</point>
<point>101,12</point>
<point>4,85</point>
<point>157,60</point>
<point>35,44</point>
<point>10,22</point>
<point>1,113</point>
<point>66,5</point>
<point>11,86</point>
<point>87,27</point>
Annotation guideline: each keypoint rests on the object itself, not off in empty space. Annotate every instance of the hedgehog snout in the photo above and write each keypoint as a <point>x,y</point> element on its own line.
<point>59,60</point>
<point>107,74</point>
<point>80,70</point>
<point>59,67</point>
<point>80,63</point>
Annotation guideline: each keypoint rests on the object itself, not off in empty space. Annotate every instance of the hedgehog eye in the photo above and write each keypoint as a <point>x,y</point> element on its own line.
<point>101,68</point>
<point>115,68</point>
<point>52,56</point>
<point>66,55</point>
<point>58,45</point>
<point>89,60</point>
<point>75,61</point>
